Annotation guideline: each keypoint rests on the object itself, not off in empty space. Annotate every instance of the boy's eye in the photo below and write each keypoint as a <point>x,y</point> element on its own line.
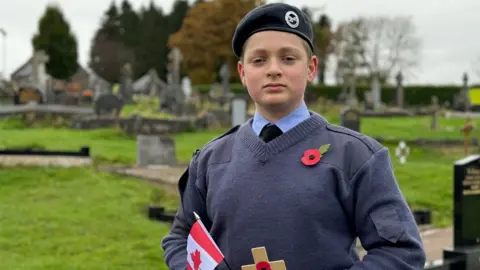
<point>257,60</point>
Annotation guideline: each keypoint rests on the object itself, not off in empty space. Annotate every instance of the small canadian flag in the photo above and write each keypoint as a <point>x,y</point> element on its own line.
<point>202,252</point>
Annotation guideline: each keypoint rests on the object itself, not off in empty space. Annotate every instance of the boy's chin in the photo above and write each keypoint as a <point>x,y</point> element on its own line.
<point>276,103</point>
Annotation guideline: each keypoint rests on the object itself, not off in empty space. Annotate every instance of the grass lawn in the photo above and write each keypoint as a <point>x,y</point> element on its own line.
<point>76,219</point>
<point>84,219</point>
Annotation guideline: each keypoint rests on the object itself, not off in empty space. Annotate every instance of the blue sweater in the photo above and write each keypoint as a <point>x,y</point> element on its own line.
<point>253,194</point>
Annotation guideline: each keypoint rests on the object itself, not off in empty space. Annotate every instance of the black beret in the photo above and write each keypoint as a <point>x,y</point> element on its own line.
<point>275,16</point>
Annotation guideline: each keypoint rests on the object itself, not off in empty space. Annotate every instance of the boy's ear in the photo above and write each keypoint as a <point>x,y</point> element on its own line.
<point>312,68</point>
<point>241,72</point>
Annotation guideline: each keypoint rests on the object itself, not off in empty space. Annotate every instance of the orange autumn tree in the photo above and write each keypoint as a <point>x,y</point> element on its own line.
<point>205,37</point>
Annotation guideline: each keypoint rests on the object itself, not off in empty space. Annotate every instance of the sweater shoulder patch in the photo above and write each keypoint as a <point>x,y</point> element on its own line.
<point>182,183</point>
<point>231,131</point>
<point>373,145</point>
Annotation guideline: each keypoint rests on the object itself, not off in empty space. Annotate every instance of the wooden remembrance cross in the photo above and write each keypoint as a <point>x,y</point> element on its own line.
<point>467,128</point>
<point>261,261</point>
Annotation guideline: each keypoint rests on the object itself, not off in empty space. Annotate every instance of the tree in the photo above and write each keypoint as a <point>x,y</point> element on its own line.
<point>323,44</point>
<point>175,18</point>
<point>205,37</point>
<point>153,38</point>
<point>108,52</point>
<point>129,23</point>
<point>56,40</point>
<point>349,45</point>
<point>381,46</point>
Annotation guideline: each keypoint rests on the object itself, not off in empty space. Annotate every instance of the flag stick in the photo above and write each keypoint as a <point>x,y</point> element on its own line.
<point>197,217</point>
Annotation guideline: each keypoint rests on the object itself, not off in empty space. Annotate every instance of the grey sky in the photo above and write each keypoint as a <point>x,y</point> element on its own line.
<point>448,28</point>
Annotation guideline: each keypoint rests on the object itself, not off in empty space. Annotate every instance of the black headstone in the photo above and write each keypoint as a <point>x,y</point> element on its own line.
<point>108,105</point>
<point>350,118</point>
<point>467,202</point>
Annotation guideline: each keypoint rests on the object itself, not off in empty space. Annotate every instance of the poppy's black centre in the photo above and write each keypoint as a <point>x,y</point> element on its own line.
<point>311,157</point>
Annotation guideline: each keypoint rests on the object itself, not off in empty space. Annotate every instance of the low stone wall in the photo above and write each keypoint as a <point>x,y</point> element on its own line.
<point>43,161</point>
<point>56,114</point>
<point>135,125</point>
<point>400,113</point>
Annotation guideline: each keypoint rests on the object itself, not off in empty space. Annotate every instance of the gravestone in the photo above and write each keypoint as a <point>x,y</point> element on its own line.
<point>172,99</point>
<point>435,108</point>
<point>187,87</point>
<point>155,150</point>
<point>126,85</point>
<point>400,93</point>
<point>239,110</point>
<point>350,118</point>
<point>368,101</point>
<point>467,202</point>
<point>464,92</point>
<point>108,106</point>
<point>465,253</point>
<point>39,71</point>
<point>223,98</point>
<point>376,92</point>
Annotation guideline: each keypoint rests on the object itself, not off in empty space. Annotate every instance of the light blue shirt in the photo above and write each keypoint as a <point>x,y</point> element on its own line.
<point>286,123</point>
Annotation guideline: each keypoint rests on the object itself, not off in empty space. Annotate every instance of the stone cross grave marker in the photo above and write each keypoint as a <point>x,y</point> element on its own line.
<point>467,202</point>
<point>176,58</point>
<point>400,91</point>
<point>435,108</point>
<point>350,118</point>
<point>225,74</point>
<point>126,86</point>
<point>467,128</point>
<point>376,92</point>
<point>262,263</point>
<point>464,92</point>
<point>39,71</point>
<point>239,110</point>
<point>155,150</point>
<point>402,152</point>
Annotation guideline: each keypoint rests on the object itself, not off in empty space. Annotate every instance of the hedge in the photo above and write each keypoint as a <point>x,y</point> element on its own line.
<point>414,95</point>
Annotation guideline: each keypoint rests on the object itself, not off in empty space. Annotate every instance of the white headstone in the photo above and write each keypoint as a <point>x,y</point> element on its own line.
<point>39,71</point>
<point>187,87</point>
<point>239,111</point>
<point>376,92</point>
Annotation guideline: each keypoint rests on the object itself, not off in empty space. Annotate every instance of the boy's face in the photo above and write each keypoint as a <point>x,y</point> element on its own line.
<point>276,69</point>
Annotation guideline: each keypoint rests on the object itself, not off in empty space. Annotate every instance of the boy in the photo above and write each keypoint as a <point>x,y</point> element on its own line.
<point>266,184</point>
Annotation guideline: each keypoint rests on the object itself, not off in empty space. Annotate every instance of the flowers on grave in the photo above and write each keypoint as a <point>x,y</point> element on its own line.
<point>313,156</point>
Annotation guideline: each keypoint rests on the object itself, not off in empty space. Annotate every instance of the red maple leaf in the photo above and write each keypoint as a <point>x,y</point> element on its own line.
<point>196,259</point>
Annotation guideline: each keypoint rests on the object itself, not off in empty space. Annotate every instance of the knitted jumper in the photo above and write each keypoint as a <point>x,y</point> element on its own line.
<point>252,194</point>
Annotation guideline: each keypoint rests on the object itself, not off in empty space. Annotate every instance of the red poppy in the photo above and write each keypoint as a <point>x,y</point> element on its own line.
<point>311,157</point>
<point>263,266</point>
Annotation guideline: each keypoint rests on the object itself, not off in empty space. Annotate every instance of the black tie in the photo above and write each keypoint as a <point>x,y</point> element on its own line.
<point>270,132</point>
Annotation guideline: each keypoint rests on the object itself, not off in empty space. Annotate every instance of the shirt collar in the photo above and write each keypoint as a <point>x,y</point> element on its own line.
<point>286,123</point>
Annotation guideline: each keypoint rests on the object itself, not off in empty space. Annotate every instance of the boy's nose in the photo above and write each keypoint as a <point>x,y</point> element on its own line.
<point>274,69</point>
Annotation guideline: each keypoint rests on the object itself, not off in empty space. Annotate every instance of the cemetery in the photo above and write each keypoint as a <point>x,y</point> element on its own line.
<point>136,141</point>
<point>143,157</point>
<point>90,166</point>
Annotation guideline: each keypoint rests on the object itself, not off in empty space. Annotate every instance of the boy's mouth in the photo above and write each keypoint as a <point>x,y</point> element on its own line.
<point>274,85</point>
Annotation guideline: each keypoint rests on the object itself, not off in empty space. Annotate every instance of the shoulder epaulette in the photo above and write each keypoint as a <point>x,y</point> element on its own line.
<point>182,182</point>
<point>360,136</point>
